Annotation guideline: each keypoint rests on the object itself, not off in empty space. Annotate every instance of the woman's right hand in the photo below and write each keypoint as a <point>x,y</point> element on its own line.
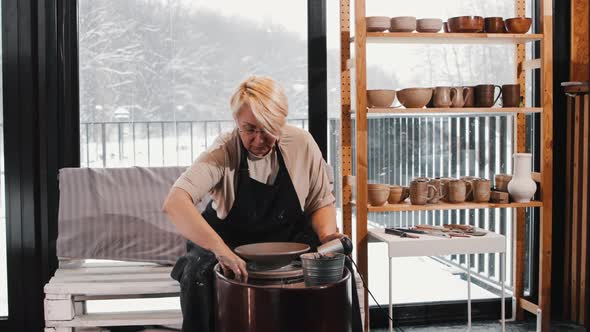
<point>229,261</point>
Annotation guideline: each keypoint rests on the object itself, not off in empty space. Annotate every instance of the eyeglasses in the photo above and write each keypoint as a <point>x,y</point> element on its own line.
<point>251,132</point>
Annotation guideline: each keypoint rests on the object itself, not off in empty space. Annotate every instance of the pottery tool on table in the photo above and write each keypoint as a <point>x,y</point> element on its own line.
<point>399,233</point>
<point>423,231</point>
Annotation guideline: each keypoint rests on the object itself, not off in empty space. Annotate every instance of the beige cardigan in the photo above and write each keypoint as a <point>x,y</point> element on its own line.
<point>214,171</point>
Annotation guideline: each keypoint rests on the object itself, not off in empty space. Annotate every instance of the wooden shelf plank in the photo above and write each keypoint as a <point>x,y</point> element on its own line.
<point>447,111</point>
<point>449,38</point>
<point>162,317</point>
<point>406,206</point>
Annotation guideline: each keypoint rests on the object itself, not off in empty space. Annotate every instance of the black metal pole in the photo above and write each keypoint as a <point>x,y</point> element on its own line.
<point>317,73</point>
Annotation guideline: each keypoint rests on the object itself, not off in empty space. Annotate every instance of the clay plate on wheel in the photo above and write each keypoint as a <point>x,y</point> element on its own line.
<point>271,254</point>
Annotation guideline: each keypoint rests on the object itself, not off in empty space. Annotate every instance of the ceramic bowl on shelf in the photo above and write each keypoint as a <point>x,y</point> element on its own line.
<point>429,25</point>
<point>377,194</point>
<point>377,23</point>
<point>380,98</point>
<point>518,24</point>
<point>494,25</point>
<point>414,97</point>
<point>402,24</point>
<point>466,24</point>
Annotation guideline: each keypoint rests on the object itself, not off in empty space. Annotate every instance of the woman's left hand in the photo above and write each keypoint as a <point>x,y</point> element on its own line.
<point>330,237</point>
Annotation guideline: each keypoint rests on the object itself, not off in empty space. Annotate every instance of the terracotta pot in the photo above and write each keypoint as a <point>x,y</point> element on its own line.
<point>518,24</point>
<point>414,97</point>
<point>466,24</point>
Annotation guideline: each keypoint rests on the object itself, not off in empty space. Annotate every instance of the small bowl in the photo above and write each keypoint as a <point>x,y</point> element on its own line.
<point>402,24</point>
<point>466,24</point>
<point>429,25</point>
<point>414,97</point>
<point>377,23</point>
<point>380,98</point>
<point>518,24</point>
<point>378,197</point>
<point>494,25</point>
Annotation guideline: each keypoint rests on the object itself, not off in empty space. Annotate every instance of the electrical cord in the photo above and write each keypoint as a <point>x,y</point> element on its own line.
<point>378,305</point>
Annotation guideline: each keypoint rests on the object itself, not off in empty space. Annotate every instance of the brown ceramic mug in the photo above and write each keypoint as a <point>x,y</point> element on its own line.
<point>469,183</point>
<point>444,185</point>
<point>436,193</point>
<point>469,96</point>
<point>397,194</point>
<point>442,97</point>
<point>481,190</point>
<point>511,95</point>
<point>484,95</point>
<point>457,191</point>
<point>494,25</point>
<point>421,192</point>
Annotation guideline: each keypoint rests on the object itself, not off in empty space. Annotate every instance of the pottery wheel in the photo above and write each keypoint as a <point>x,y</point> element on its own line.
<point>285,272</point>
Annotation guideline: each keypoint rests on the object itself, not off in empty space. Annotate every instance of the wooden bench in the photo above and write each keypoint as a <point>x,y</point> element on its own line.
<point>74,284</point>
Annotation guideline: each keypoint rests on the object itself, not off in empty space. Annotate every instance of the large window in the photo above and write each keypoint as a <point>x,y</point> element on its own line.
<point>156,76</point>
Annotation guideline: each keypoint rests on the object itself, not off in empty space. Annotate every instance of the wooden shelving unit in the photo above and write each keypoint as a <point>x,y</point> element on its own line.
<point>449,38</point>
<point>406,206</point>
<point>462,111</point>
<point>359,39</point>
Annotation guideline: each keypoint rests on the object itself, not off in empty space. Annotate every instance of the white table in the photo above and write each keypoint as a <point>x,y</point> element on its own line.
<point>428,245</point>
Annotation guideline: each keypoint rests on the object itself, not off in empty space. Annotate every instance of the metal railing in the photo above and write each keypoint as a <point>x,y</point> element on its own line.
<point>399,149</point>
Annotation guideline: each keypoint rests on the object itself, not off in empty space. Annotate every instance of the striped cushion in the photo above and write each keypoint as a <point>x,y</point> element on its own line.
<point>115,213</point>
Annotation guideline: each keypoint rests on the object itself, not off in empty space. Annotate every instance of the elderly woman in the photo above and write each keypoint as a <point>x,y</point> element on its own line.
<point>268,183</point>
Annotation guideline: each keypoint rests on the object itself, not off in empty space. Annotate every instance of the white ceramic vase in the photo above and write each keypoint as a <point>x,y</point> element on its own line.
<point>522,187</point>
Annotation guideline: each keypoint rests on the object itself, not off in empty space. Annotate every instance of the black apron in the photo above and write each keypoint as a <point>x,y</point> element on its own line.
<point>260,213</point>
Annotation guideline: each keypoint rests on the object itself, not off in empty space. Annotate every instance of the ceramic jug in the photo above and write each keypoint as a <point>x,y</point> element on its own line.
<point>522,187</point>
<point>442,97</point>
<point>458,96</point>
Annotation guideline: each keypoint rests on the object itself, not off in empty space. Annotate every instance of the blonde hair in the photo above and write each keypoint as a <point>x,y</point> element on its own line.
<point>267,100</point>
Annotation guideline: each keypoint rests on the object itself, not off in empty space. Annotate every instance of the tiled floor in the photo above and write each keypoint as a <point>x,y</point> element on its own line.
<point>489,327</point>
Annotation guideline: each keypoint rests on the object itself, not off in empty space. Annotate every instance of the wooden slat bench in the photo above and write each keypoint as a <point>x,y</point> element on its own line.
<point>67,292</point>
